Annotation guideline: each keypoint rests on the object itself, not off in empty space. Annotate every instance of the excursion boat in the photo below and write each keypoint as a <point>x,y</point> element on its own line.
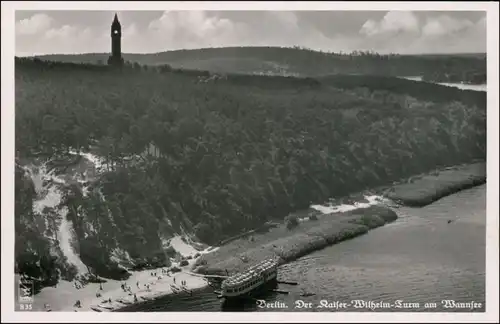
<point>251,281</point>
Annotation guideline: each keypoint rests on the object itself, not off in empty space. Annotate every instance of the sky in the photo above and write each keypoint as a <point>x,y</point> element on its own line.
<point>403,32</point>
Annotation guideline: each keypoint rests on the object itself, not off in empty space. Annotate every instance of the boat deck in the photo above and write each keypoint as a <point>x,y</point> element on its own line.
<point>250,273</point>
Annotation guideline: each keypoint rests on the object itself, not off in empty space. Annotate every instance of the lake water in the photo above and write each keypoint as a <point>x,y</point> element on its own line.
<point>428,255</point>
<point>475,87</point>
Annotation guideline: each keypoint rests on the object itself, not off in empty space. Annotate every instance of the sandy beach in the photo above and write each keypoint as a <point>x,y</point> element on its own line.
<point>65,294</point>
<point>142,284</point>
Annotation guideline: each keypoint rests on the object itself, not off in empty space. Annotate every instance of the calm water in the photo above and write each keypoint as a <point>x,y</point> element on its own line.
<point>475,87</point>
<point>420,258</point>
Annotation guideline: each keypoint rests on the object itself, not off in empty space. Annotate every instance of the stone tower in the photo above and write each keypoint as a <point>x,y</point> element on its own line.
<point>116,58</point>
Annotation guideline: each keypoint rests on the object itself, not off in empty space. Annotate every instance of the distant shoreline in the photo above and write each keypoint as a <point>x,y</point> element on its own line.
<point>463,85</point>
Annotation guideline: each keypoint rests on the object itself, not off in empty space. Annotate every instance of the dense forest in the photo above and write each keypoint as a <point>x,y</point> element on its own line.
<point>467,68</point>
<point>232,151</point>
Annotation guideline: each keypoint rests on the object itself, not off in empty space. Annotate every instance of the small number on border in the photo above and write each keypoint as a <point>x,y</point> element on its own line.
<point>26,307</point>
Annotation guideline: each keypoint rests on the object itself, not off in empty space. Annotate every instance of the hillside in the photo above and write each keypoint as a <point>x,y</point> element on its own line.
<point>469,68</point>
<point>113,165</point>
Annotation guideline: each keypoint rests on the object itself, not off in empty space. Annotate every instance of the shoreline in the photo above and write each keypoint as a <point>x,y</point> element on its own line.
<point>287,245</point>
<point>422,190</point>
<point>290,244</point>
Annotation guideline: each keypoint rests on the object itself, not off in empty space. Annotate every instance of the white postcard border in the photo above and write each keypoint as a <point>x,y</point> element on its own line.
<point>7,116</point>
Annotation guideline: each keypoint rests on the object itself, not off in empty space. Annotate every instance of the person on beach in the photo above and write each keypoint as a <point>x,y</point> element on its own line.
<point>100,286</point>
<point>135,298</point>
<point>137,284</point>
<point>174,279</point>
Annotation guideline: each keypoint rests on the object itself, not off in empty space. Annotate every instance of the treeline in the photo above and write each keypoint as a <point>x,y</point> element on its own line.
<point>42,64</point>
<point>231,153</point>
<point>420,90</point>
<point>307,62</point>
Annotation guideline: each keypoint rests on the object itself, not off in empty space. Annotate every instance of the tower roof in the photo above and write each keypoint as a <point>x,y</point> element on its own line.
<point>115,20</point>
